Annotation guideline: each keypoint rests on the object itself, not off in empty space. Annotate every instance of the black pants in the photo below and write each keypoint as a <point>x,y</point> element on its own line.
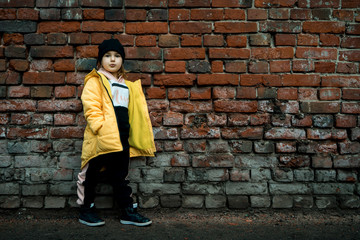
<point>116,169</point>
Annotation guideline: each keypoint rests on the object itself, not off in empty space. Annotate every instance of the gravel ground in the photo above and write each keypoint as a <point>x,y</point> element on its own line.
<point>185,224</point>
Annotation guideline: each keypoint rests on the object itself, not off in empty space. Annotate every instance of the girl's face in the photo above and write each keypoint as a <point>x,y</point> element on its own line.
<point>112,61</point>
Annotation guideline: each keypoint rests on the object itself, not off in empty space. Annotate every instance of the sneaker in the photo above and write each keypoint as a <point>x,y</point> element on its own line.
<point>130,216</point>
<point>89,217</point>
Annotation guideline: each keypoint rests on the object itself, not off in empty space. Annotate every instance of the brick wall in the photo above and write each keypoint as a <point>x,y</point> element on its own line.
<point>254,103</point>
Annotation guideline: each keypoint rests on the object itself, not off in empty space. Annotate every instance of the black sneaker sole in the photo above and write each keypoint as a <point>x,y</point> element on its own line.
<point>92,224</point>
<point>136,223</point>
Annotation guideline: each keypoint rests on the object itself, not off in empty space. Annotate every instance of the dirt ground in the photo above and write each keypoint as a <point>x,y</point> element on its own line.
<point>185,224</point>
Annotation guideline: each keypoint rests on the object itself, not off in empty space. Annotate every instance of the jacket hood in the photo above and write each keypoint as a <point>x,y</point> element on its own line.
<point>93,73</point>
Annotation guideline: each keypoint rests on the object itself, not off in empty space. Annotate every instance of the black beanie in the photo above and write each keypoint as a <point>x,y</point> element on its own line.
<point>111,45</point>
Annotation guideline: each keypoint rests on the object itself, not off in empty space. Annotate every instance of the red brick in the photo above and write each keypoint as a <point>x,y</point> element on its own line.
<point>158,105</point>
<point>20,119</point>
<point>190,106</point>
<point>353,29</point>
<point>189,3</point>
<point>146,28</point>
<point>98,14</point>
<point>229,53</point>
<point>214,40</point>
<point>200,93</point>
<point>41,92</point>
<point>285,39</point>
<point>351,94</point>
<point>64,119</point>
<point>236,41</point>
<point>274,3</point>
<point>98,38</point>
<point>216,120</point>
<point>272,53</point>
<point>169,41</point>
<point>264,79</point>
<point>190,27</point>
<point>75,78</point>
<point>67,132</point>
<point>64,65</point>
<point>279,13</point>
<point>234,14</point>
<point>217,66</point>
<point>148,3</point>
<point>259,67</point>
<point>353,55</point>
<point>145,41</point>
<point>259,119</point>
<point>295,80</point>
<point>174,79</point>
<point>200,133</point>
<point>43,78</point>
<point>303,66</point>
<point>135,14</point>
<point>65,91</point>
<point>300,14</point>
<point>235,27</point>
<point>340,81</point>
<point>301,121</point>
<point>27,14</point>
<point>322,161</point>
<point>180,160</point>
<point>184,53</point>
<point>126,40</point>
<point>235,106</point>
<point>13,38</point>
<point>320,107</point>
<point>18,91</point>
<point>325,67</point>
<point>61,27</point>
<point>59,106</point>
<point>18,105</point>
<point>145,78</point>
<point>329,40</point>
<point>175,66</point>
<point>323,134</point>
<point>179,14</point>
<point>324,27</point>
<point>78,38</point>
<point>287,94</point>
<point>41,65</point>
<point>32,133</point>
<point>256,14</point>
<point>155,118</point>
<point>178,93</point>
<point>343,15</point>
<point>285,133</point>
<point>51,51</point>
<point>235,67</point>
<point>237,119</point>
<point>218,79</point>
<point>286,147</point>
<point>246,93</point>
<point>173,119</point>
<point>346,67</point>
<point>307,40</point>
<point>191,40</point>
<point>350,42</point>
<point>19,65</point>
<point>87,51</point>
<point>329,94</point>
<point>143,53</point>
<point>294,161</point>
<point>95,26</point>
<point>280,66</point>
<point>325,4</point>
<point>350,4</point>
<point>350,107</point>
<point>247,133</point>
<point>230,3</point>
<point>4,118</point>
<point>155,92</point>
<point>345,121</point>
<point>207,14</point>
<point>316,53</point>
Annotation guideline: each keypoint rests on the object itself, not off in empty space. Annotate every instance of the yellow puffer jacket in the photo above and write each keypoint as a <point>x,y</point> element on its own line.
<point>101,133</point>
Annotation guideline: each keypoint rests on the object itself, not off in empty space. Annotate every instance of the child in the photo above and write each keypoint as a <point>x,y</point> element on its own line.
<point>118,127</point>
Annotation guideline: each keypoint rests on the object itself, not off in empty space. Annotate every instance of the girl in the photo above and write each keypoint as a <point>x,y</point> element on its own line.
<point>118,127</point>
